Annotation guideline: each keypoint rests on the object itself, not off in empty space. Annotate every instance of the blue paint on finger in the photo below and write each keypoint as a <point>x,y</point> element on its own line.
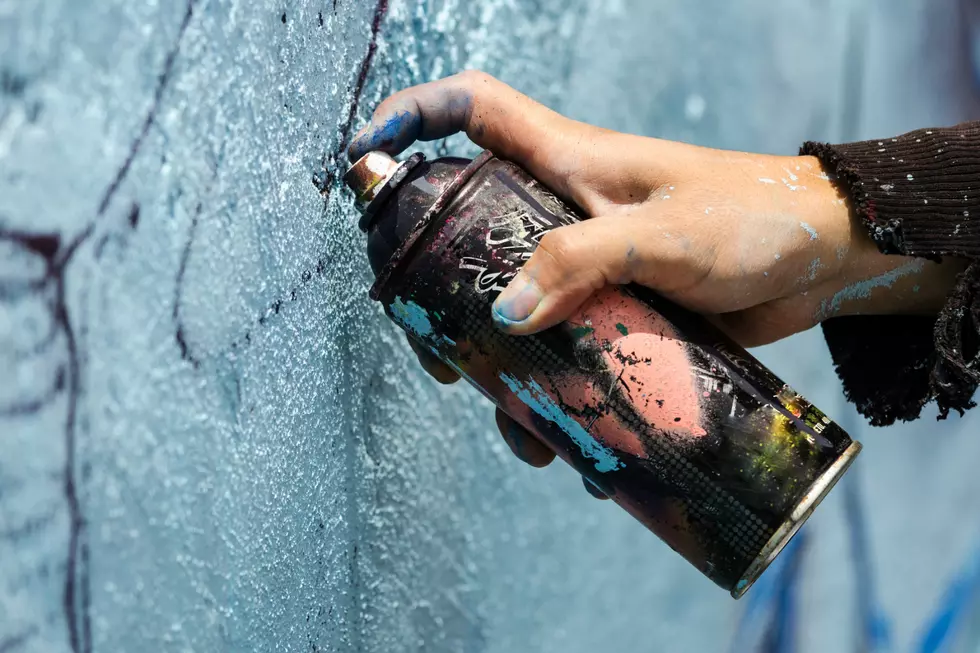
<point>392,134</point>
<point>427,113</point>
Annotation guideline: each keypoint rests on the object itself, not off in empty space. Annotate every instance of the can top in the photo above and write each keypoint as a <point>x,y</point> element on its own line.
<point>368,176</point>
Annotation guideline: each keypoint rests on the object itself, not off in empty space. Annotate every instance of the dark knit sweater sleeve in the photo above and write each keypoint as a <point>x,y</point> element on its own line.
<point>918,195</point>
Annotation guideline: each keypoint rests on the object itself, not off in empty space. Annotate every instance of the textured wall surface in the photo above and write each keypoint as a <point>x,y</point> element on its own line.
<point>211,440</point>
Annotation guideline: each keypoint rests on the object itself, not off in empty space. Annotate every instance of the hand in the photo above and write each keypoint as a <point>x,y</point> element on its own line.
<point>763,245</point>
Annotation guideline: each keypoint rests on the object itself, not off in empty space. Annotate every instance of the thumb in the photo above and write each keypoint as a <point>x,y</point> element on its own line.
<point>569,265</point>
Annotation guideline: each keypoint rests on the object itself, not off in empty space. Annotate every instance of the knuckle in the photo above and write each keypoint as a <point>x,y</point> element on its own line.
<point>473,77</point>
<point>560,245</point>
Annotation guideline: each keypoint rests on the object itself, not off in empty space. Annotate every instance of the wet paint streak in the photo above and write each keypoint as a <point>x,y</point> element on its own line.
<point>863,289</point>
<point>962,595</point>
<point>535,398</point>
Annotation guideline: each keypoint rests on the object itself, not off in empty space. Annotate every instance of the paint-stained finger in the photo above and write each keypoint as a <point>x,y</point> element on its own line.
<point>592,489</point>
<point>524,445</point>
<point>432,365</point>
<point>491,113</point>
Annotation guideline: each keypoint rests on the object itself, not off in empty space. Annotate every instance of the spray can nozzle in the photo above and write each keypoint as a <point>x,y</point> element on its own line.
<point>372,178</point>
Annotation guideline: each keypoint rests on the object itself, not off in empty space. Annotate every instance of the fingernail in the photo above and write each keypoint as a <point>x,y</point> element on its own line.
<point>515,439</point>
<point>518,301</point>
<point>359,145</point>
<point>593,489</point>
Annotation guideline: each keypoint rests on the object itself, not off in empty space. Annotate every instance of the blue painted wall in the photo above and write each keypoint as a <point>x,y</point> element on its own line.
<point>211,440</point>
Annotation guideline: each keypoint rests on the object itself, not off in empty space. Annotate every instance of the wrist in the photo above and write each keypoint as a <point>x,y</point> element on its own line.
<point>866,280</point>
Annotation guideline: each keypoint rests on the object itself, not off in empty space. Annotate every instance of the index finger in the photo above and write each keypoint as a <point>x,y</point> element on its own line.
<point>492,114</point>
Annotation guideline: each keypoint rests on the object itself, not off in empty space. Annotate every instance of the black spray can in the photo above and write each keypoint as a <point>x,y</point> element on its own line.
<point>670,418</point>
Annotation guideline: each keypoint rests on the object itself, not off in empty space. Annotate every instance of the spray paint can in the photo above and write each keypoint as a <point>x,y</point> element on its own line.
<point>661,411</point>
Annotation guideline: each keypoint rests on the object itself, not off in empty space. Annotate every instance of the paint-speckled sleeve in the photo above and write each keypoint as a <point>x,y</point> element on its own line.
<point>919,195</point>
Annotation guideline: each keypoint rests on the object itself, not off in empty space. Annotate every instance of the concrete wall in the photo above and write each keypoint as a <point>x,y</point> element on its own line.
<point>211,440</point>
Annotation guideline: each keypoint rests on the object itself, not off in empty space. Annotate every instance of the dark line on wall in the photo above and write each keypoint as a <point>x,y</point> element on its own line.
<point>77,594</point>
<point>180,334</point>
<point>163,81</point>
<point>325,181</point>
<point>379,13</point>
<point>56,258</point>
<point>76,581</point>
<point>44,245</point>
<point>276,306</point>
<point>77,588</point>
<point>76,598</point>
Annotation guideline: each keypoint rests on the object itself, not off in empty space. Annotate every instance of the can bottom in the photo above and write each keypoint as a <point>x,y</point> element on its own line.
<point>814,495</point>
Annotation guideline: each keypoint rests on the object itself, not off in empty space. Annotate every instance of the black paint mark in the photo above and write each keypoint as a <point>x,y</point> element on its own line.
<point>56,258</point>
<point>324,181</point>
<point>275,307</point>
<point>162,82</point>
<point>180,336</point>
<point>319,18</point>
<point>284,18</point>
<point>44,245</point>
<point>334,7</point>
<point>134,215</point>
<point>132,218</point>
<point>76,598</point>
<point>77,588</point>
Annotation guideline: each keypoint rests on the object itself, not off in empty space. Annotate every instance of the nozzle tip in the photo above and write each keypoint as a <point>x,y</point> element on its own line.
<point>368,176</point>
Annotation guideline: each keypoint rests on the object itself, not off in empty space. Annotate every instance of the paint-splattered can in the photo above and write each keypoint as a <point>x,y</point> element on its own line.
<point>662,412</point>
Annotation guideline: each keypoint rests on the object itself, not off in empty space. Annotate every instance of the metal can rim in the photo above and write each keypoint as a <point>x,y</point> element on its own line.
<point>437,207</point>
<point>814,495</point>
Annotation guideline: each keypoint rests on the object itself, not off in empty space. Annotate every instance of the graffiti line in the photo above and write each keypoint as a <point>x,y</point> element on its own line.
<point>162,81</point>
<point>325,182</point>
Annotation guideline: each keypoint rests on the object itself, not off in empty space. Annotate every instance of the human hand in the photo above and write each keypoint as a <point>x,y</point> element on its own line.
<point>765,246</point>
